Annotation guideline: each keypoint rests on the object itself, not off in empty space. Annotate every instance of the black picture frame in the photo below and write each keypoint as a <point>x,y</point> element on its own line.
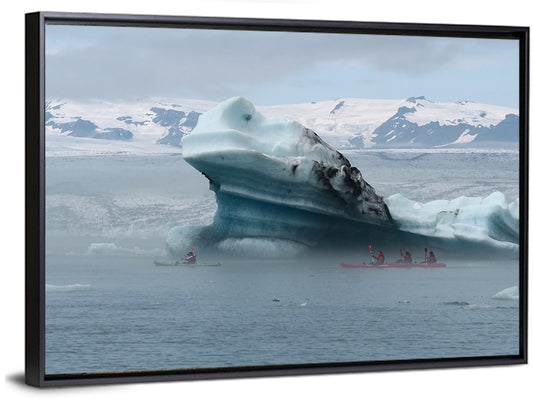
<point>35,191</point>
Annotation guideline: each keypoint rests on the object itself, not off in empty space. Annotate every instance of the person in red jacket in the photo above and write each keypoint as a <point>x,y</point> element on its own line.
<point>380,259</point>
<point>189,259</point>
<point>407,258</point>
<point>431,258</point>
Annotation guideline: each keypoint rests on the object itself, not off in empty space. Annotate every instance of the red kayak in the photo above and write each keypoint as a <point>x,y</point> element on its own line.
<point>384,265</point>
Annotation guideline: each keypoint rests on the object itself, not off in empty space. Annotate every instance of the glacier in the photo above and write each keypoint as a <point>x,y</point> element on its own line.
<point>280,188</point>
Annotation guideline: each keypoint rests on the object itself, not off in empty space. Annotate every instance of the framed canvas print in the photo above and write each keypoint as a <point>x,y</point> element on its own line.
<point>218,197</point>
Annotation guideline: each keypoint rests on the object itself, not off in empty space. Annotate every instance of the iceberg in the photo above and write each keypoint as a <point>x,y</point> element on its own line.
<point>489,220</point>
<point>280,188</point>
<point>276,179</point>
<point>278,161</point>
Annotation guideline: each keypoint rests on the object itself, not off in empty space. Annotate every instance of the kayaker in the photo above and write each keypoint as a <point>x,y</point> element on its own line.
<point>380,259</point>
<point>431,258</point>
<point>407,258</point>
<point>190,259</point>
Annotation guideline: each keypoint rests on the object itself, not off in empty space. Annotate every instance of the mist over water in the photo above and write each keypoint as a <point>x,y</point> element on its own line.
<point>127,200</point>
<point>433,175</point>
<point>135,200</point>
<point>108,308</point>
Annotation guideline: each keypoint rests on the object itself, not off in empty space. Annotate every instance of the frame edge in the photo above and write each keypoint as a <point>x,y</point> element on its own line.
<point>34,206</point>
<point>289,25</point>
<point>524,182</point>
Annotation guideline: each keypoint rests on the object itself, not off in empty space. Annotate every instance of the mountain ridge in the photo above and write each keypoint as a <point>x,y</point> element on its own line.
<point>345,123</point>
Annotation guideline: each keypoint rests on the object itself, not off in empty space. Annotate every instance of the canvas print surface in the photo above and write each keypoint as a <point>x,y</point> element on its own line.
<point>221,198</point>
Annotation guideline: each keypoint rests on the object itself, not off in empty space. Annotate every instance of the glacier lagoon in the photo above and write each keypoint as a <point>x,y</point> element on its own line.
<point>108,308</point>
<point>126,314</point>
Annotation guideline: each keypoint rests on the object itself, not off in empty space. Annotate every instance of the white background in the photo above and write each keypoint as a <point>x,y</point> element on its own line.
<point>491,382</point>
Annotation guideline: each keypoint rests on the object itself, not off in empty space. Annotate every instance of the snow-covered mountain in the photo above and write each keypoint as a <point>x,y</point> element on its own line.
<point>422,123</point>
<point>144,126</point>
<point>348,123</point>
<point>412,123</point>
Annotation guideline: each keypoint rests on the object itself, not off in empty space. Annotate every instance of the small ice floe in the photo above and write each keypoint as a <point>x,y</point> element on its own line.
<point>303,304</point>
<point>67,288</point>
<point>508,294</point>
<point>456,303</point>
<point>477,306</point>
<point>102,248</point>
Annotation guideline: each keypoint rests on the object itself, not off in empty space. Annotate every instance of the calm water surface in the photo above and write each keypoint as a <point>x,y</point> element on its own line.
<point>112,313</point>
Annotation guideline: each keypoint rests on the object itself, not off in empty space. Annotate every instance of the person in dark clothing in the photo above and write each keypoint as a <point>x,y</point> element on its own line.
<point>380,259</point>
<point>407,258</point>
<point>431,258</point>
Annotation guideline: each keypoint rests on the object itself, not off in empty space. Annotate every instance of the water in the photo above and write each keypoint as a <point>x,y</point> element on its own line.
<point>108,308</point>
<point>426,175</point>
<point>137,316</point>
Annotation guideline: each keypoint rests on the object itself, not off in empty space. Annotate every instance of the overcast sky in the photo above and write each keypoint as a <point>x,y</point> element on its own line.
<point>119,63</point>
